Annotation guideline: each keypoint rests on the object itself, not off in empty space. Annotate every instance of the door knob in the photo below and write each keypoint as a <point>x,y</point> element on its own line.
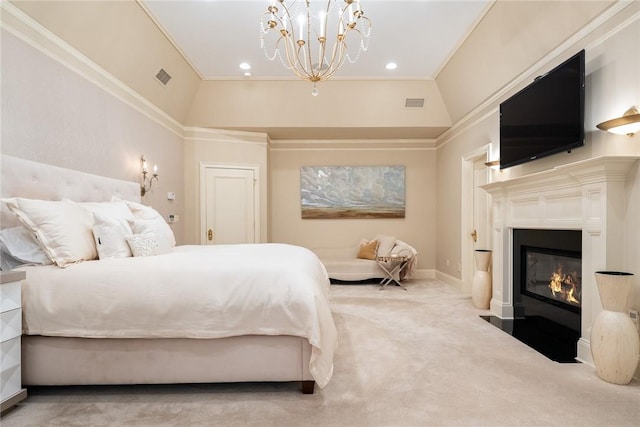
<point>474,236</point>
<point>210,235</point>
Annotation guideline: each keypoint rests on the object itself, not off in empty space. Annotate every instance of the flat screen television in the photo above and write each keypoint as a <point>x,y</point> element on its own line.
<point>546,117</point>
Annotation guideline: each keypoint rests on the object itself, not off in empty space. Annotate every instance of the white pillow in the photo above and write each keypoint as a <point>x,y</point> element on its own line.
<point>162,231</point>
<point>22,246</point>
<point>158,229</point>
<point>143,245</point>
<point>63,228</point>
<point>385,244</point>
<point>114,209</point>
<point>110,234</point>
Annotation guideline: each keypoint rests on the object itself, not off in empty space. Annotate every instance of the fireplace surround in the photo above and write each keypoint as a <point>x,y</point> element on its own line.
<point>587,196</point>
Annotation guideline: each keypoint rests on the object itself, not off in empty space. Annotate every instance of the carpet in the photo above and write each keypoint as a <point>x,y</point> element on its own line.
<point>421,357</point>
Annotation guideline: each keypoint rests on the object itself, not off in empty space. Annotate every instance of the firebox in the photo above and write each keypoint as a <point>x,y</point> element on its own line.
<point>547,275</point>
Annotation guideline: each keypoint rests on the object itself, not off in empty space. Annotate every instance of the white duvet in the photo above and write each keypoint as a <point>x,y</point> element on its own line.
<point>193,292</point>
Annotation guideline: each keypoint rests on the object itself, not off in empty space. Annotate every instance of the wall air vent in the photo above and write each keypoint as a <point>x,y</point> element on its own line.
<point>163,77</point>
<point>414,103</point>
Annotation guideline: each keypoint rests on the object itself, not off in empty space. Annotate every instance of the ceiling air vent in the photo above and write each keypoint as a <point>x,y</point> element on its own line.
<point>414,103</point>
<point>163,77</point>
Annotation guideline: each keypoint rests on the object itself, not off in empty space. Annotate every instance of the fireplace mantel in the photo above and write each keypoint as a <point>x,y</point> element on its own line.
<point>587,196</point>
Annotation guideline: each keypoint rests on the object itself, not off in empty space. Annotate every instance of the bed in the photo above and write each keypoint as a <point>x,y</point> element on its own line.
<point>187,314</point>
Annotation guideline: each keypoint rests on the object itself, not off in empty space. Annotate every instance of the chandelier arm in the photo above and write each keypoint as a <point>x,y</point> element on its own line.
<point>299,48</point>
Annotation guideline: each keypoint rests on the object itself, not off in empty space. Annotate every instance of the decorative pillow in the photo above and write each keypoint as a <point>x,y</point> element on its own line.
<point>368,249</point>
<point>385,245</point>
<point>21,245</point>
<point>159,230</point>
<point>163,232</point>
<point>143,245</point>
<point>62,228</point>
<point>111,235</point>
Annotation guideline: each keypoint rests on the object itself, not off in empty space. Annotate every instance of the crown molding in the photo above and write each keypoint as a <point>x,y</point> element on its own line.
<point>19,24</point>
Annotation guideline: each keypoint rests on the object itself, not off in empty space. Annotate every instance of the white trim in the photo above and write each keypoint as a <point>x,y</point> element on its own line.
<point>256,195</point>
<point>464,39</point>
<point>424,273</point>
<point>492,102</point>
<point>31,32</point>
<point>454,282</point>
<point>467,213</point>
<point>168,37</point>
<point>353,149</point>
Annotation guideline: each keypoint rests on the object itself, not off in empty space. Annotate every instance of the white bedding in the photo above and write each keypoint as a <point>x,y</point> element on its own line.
<point>193,292</point>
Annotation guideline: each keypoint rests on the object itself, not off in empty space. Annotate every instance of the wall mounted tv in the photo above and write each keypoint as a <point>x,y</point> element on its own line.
<point>546,117</point>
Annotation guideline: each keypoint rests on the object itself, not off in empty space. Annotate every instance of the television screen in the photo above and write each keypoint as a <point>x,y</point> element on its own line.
<point>546,117</point>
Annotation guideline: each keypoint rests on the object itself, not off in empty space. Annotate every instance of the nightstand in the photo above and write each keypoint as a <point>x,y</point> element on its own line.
<point>11,391</point>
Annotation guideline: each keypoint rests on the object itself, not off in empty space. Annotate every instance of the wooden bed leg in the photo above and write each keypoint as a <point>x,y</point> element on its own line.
<point>308,387</point>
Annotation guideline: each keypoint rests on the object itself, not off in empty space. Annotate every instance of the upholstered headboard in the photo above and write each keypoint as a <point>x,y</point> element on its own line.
<point>25,178</point>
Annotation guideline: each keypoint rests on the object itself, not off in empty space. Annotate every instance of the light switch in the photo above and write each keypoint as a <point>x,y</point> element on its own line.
<point>171,195</point>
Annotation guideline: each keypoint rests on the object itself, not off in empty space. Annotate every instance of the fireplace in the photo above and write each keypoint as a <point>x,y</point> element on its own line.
<point>547,292</point>
<point>547,275</point>
<point>586,195</point>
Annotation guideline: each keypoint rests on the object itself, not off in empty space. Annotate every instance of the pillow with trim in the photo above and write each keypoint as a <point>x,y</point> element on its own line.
<point>63,229</point>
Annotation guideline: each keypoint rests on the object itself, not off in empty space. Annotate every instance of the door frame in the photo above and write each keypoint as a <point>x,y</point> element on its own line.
<point>468,212</point>
<point>256,196</point>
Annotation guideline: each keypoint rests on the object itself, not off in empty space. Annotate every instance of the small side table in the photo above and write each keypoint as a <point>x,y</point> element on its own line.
<point>392,267</point>
<point>11,391</point>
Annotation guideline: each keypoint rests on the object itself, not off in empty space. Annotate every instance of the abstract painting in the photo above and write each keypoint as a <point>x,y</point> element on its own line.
<point>352,191</point>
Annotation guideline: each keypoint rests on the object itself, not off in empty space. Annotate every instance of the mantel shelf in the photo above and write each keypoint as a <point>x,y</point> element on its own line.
<point>598,169</point>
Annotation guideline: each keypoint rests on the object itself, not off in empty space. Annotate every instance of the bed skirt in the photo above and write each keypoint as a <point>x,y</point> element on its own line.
<point>93,361</point>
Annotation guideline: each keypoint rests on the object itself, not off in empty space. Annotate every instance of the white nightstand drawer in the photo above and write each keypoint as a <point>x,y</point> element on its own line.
<point>10,353</point>
<point>10,324</point>
<point>10,297</point>
<point>10,382</point>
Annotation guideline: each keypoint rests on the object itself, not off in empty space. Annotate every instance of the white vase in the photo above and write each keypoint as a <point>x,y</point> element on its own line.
<point>614,338</point>
<point>481,283</point>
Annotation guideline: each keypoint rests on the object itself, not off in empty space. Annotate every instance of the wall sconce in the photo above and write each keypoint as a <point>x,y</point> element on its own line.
<point>628,124</point>
<point>143,187</point>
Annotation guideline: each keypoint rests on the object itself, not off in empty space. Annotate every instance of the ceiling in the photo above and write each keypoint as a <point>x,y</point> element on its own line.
<point>419,35</point>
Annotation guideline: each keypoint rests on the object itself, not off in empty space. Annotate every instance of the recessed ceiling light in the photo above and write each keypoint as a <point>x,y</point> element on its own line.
<point>391,66</point>
<point>245,66</point>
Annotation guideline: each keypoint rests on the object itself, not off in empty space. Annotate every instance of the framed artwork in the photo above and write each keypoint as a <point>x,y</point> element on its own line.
<point>352,191</point>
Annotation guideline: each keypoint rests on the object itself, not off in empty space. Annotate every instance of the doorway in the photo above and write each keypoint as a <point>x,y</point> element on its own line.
<point>476,212</point>
<point>229,204</point>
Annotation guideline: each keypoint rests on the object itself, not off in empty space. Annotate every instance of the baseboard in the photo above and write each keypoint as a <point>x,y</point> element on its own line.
<point>454,282</point>
<point>501,310</point>
<point>424,273</point>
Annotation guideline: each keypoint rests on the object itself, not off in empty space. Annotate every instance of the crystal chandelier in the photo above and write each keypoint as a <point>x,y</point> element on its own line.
<point>314,38</point>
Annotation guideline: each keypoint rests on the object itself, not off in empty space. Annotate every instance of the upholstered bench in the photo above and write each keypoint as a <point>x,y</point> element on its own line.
<point>358,262</point>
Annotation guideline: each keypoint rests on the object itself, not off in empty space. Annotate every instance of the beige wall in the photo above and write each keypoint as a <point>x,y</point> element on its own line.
<point>121,38</point>
<point>214,147</point>
<point>52,115</point>
<point>612,86</point>
<point>373,108</point>
<point>510,39</point>
<point>417,228</point>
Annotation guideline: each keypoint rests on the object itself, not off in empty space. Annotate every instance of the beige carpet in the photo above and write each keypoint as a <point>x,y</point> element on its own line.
<point>417,358</point>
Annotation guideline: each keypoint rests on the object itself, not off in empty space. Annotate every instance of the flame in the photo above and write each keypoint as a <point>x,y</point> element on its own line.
<point>564,286</point>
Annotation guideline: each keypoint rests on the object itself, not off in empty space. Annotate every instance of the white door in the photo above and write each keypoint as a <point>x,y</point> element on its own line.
<point>476,212</point>
<point>481,207</point>
<point>229,205</point>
